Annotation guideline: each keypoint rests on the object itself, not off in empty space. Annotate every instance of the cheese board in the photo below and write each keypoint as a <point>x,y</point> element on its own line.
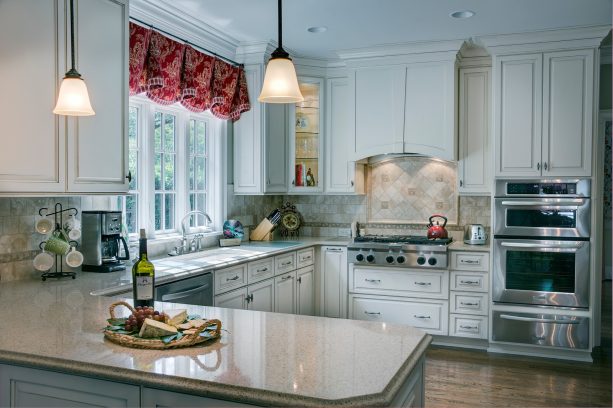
<point>147,329</point>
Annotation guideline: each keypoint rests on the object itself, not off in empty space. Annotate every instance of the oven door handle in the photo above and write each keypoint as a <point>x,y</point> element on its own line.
<point>546,246</point>
<point>545,203</point>
<point>537,320</point>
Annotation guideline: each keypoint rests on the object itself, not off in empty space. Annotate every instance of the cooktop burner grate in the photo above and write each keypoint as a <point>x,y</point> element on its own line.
<point>405,239</point>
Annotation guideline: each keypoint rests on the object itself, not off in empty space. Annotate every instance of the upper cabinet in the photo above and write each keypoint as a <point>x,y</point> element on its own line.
<point>45,153</point>
<point>404,100</point>
<point>544,102</point>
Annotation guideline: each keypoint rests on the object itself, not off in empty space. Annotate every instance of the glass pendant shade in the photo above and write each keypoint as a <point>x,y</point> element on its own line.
<point>73,99</point>
<point>280,83</point>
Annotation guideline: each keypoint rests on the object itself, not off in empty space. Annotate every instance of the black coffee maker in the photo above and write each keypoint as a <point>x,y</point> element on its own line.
<point>101,238</point>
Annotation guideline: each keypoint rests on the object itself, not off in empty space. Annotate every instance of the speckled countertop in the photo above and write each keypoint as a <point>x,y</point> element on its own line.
<point>262,359</point>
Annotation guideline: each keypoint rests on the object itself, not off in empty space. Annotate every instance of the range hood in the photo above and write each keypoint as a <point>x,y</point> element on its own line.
<point>383,158</point>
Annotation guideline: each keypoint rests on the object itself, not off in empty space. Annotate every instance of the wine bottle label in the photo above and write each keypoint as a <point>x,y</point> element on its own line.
<point>144,287</point>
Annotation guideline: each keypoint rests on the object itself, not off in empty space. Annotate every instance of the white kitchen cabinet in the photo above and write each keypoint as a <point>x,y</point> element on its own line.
<point>305,291</point>
<point>285,293</point>
<point>98,145</point>
<point>342,174</point>
<point>260,142</point>
<point>58,154</point>
<point>474,160</point>
<point>29,387</point>
<point>261,296</point>
<point>405,109</point>
<point>236,299</point>
<point>333,282</point>
<point>543,113</point>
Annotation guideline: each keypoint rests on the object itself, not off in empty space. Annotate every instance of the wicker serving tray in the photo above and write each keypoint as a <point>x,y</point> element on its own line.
<point>186,340</point>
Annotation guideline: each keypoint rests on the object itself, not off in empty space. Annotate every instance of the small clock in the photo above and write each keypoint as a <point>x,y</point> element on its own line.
<point>291,220</point>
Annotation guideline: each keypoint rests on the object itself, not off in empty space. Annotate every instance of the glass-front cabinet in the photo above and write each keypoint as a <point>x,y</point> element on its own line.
<point>306,138</point>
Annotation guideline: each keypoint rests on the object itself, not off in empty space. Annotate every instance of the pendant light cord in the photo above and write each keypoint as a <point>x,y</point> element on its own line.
<point>72,73</point>
<point>280,52</point>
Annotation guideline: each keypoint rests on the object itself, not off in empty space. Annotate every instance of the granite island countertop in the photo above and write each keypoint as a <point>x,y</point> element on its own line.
<point>262,358</point>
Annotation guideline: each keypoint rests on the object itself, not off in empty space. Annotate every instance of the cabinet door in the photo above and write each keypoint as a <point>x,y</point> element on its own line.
<point>276,148</point>
<point>305,291</point>
<point>262,296</point>
<point>237,299</point>
<point>340,168</point>
<point>568,94</point>
<point>517,120</point>
<point>429,110</point>
<point>379,110</point>
<point>334,282</point>
<point>285,293</point>
<point>306,138</point>
<point>33,138</point>
<point>28,387</point>
<point>248,139</point>
<point>98,145</point>
<point>474,159</point>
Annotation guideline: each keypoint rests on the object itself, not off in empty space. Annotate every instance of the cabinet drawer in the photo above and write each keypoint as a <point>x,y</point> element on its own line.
<point>468,326</point>
<point>230,278</point>
<point>469,281</point>
<point>430,284</point>
<point>260,270</point>
<point>468,303</point>
<point>470,261</point>
<point>430,316</point>
<point>285,263</point>
<point>305,257</point>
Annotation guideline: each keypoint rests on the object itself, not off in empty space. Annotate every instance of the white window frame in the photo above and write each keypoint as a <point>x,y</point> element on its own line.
<point>216,173</point>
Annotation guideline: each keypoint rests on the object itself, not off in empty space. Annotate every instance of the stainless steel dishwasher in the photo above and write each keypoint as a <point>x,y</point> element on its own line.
<point>197,290</point>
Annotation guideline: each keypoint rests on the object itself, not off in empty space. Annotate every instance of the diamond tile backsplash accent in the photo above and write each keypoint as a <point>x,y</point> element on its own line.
<point>410,190</point>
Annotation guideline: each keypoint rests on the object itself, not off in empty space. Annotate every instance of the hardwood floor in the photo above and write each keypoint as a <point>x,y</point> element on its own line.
<point>459,378</point>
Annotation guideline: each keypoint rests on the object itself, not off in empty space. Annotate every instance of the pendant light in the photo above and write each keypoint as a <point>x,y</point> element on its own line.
<point>280,81</point>
<point>73,98</point>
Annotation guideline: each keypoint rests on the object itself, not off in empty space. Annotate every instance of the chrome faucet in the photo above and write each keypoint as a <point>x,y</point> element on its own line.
<point>185,230</point>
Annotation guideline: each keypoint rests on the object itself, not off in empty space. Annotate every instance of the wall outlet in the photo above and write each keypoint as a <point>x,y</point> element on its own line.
<point>440,205</point>
<point>411,191</point>
<point>385,178</point>
<point>385,205</point>
<point>440,179</point>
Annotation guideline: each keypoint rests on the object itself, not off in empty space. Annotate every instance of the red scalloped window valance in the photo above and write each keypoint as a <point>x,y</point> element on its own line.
<point>168,71</point>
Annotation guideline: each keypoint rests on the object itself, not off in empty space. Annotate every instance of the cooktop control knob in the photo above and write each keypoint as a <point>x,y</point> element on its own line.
<point>359,257</point>
<point>432,261</point>
<point>401,259</point>
<point>370,258</point>
<point>421,260</point>
<point>389,259</point>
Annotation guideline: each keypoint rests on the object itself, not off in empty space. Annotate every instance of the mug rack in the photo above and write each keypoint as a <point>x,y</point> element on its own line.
<point>58,216</point>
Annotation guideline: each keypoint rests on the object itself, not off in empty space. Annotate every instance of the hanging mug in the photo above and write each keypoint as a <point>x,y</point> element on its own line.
<point>58,243</point>
<point>43,261</point>
<point>74,259</point>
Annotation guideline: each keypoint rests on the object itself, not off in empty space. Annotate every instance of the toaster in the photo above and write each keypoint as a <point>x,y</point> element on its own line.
<point>474,234</point>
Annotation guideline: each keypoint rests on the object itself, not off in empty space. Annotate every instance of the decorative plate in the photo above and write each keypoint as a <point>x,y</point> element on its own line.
<point>233,229</point>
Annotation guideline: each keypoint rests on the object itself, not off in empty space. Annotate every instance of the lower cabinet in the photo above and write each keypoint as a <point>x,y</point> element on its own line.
<point>236,299</point>
<point>261,296</point>
<point>305,291</point>
<point>285,293</point>
<point>28,387</point>
<point>333,288</point>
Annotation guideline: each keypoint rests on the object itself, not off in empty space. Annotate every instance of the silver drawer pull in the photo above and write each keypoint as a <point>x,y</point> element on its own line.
<point>469,304</point>
<point>286,263</point>
<point>421,317</point>
<point>468,261</point>
<point>423,283</point>
<point>538,320</point>
<point>262,270</point>
<point>372,280</point>
<point>372,313</point>
<point>232,279</point>
<point>334,249</point>
<point>465,282</point>
<point>287,277</point>
<point>469,327</point>
<point>306,258</point>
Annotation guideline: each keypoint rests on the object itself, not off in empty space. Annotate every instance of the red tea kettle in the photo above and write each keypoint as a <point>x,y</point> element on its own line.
<point>437,231</point>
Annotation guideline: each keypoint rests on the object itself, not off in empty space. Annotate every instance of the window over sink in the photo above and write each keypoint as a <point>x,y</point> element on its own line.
<point>176,166</point>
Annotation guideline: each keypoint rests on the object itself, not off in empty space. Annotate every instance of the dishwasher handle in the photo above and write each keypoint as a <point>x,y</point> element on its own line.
<point>184,294</point>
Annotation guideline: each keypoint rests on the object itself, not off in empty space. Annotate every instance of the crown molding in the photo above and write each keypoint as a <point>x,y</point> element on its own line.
<point>392,50</point>
<point>163,15</point>
<point>573,37</point>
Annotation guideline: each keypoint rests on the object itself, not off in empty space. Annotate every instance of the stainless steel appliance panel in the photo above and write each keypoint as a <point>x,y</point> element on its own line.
<point>197,290</point>
<point>541,329</point>
<point>542,217</point>
<point>543,188</point>
<point>542,272</point>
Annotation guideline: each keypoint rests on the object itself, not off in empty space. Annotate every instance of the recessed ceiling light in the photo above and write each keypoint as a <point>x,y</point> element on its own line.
<point>317,29</point>
<point>462,14</point>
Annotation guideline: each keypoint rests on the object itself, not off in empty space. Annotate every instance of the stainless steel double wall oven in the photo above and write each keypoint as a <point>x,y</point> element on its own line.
<point>542,258</point>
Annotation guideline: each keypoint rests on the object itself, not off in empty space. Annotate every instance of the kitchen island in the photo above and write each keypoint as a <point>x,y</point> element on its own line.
<point>261,358</point>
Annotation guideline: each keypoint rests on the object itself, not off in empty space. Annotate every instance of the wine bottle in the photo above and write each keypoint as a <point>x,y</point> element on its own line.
<point>143,275</point>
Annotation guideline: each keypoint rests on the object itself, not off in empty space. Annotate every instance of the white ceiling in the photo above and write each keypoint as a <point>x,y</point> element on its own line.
<point>364,23</point>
